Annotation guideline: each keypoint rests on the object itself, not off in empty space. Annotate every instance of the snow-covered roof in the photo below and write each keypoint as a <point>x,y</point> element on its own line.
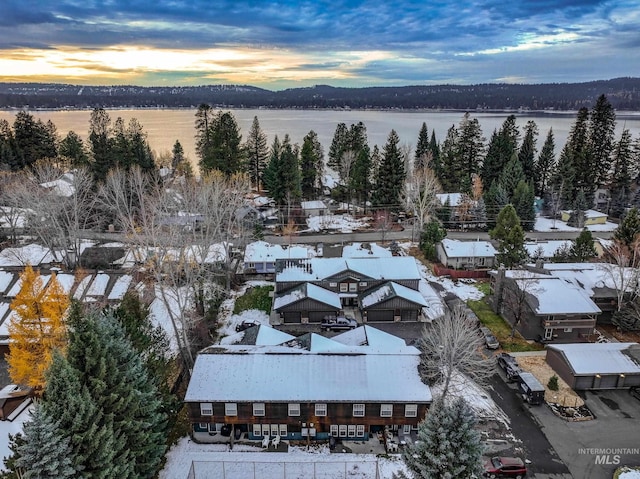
<point>391,290</point>
<point>318,269</point>
<point>32,254</point>
<point>260,335</point>
<point>261,251</point>
<point>468,249</point>
<point>434,308</point>
<point>313,205</point>
<point>252,373</point>
<point>63,186</point>
<point>588,213</point>
<point>454,198</point>
<point>359,250</point>
<point>546,248</point>
<point>590,276</point>
<point>599,358</point>
<point>304,291</point>
<point>375,340</point>
<point>551,296</point>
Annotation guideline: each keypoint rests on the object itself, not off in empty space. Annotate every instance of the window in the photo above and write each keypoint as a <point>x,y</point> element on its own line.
<point>321,409</point>
<point>294,409</point>
<point>257,430</point>
<point>406,429</point>
<point>203,425</point>
<point>283,429</point>
<point>333,285</point>
<point>274,429</point>
<point>343,430</point>
<point>351,430</point>
<point>344,287</point>
<point>258,409</point>
<point>230,409</point>
<point>358,410</point>
<point>353,287</point>
<point>265,429</point>
<point>386,410</point>
<point>333,430</point>
<point>360,430</point>
<point>206,409</point>
<point>568,330</point>
<point>411,410</point>
<point>363,284</point>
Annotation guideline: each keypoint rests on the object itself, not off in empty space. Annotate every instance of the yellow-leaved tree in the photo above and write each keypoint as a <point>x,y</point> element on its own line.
<point>37,328</point>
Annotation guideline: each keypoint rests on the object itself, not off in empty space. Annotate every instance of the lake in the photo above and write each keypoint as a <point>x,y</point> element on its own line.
<point>165,126</point>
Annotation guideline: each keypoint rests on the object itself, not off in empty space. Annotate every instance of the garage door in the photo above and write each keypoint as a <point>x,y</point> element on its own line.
<point>317,316</point>
<point>409,315</point>
<point>292,317</point>
<point>609,382</point>
<point>380,315</point>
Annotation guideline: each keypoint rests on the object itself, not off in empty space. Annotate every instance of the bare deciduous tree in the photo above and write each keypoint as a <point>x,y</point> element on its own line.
<point>514,296</point>
<point>622,270</point>
<point>420,194</point>
<point>452,345</point>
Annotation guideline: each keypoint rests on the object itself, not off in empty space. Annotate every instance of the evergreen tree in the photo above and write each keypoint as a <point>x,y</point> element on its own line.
<point>527,152</point>
<point>495,199</point>
<point>223,150</point>
<point>579,155</point>
<point>628,230</point>
<point>510,236</point>
<point>422,148</point>
<point>445,212</point>
<point>339,145</point>
<point>449,174</point>
<point>602,124</point>
<point>101,145</point>
<point>73,148</point>
<point>311,166</point>
<point>523,202</point>
<point>204,120</point>
<point>544,166</point>
<point>391,175</point>
<point>502,146</point>
<point>621,179</point>
<point>432,234</point>
<point>361,176</point>
<point>563,178</point>
<point>38,328</point>
<point>257,153</point>
<point>577,217</point>
<point>448,446</point>
<point>290,172</point>
<point>434,148</point>
<point>177,155</point>
<point>46,451</point>
<point>470,150</point>
<point>582,248</point>
<point>512,175</point>
<point>33,140</point>
<point>8,158</point>
<point>271,176</point>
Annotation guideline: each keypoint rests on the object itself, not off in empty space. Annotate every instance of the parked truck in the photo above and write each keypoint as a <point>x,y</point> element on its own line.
<point>530,388</point>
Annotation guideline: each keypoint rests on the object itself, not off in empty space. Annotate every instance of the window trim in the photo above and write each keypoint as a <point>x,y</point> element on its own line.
<point>322,411</point>
<point>203,409</point>
<point>344,287</point>
<point>353,287</point>
<point>386,410</point>
<point>282,430</point>
<point>351,430</point>
<point>256,409</point>
<point>359,430</point>
<point>342,430</point>
<point>333,430</point>
<point>410,410</point>
<point>364,408</point>
<point>257,430</point>
<point>291,409</point>
<point>231,409</point>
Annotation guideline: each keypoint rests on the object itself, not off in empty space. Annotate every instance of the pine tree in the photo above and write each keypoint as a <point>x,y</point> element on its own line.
<point>470,150</point>
<point>563,178</point>
<point>311,164</point>
<point>46,451</point>
<point>290,171</point>
<point>449,173</point>
<point>621,179</point>
<point>73,148</point>
<point>434,148</point>
<point>361,176</point>
<point>495,199</point>
<point>391,175</point>
<point>582,248</point>
<point>545,164</point>
<point>602,124</point>
<point>577,217</point>
<point>338,146</point>
<point>510,236</point>
<point>579,154</point>
<point>422,148</point>
<point>527,152</point>
<point>204,119</point>
<point>271,176</point>
<point>101,145</point>
<point>512,175</point>
<point>523,202</point>
<point>628,230</point>
<point>431,235</point>
<point>38,328</point>
<point>257,153</point>
<point>224,152</point>
<point>502,146</point>
<point>448,446</point>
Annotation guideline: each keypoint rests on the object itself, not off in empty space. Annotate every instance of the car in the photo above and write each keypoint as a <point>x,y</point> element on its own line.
<point>245,325</point>
<point>510,366</point>
<point>341,323</point>
<point>635,391</point>
<point>489,339</point>
<point>505,467</point>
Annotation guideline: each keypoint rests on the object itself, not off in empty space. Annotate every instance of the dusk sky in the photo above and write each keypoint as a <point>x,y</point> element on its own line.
<point>341,43</point>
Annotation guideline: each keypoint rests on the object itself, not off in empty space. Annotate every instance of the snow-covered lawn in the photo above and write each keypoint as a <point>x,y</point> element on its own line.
<point>628,473</point>
<point>228,321</point>
<point>547,224</point>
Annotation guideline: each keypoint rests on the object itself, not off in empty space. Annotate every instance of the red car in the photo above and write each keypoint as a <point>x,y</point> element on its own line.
<point>505,467</point>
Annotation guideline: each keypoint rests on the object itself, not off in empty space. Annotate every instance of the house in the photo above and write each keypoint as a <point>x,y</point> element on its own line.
<point>260,257</point>
<point>314,208</point>
<point>63,186</point>
<point>371,288</point>
<point>596,365</point>
<point>545,249</point>
<point>591,217</point>
<point>298,389</point>
<point>543,306</point>
<point>457,254</point>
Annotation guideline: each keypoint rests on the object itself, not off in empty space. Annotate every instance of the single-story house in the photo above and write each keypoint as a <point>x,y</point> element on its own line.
<point>466,254</point>
<point>591,217</point>
<point>260,257</point>
<point>350,387</point>
<point>314,208</point>
<point>596,365</point>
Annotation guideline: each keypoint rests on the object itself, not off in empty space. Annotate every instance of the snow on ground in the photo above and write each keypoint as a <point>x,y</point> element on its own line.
<point>32,254</point>
<point>342,223</point>
<point>547,224</point>
<point>229,321</point>
<point>244,460</point>
<point>159,312</point>
<point>464,291</point>
<point>627,473</point>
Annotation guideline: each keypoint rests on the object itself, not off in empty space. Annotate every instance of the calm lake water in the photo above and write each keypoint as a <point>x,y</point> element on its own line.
<point>164,127</point>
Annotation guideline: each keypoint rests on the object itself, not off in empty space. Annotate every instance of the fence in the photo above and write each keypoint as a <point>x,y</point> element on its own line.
<point>285,470</point>
<point>441,270</point>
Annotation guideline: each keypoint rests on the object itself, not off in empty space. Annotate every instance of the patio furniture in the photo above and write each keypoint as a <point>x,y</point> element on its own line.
<point>392,446</point>
<point>275,441</point>
<point>265,442</point>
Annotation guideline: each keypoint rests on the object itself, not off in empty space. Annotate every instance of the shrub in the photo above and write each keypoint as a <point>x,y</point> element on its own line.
<point>553,383</point>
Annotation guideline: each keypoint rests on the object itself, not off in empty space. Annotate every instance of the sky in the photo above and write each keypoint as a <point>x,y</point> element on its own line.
<point>289,44</point>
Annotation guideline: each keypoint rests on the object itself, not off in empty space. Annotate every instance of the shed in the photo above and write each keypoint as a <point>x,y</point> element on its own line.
<point>314,208</point>
<point>591,217</point>
<point>596,365</point>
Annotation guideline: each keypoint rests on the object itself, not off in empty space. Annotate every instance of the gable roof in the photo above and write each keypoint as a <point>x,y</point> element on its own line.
<point>391,290</point>
<point>259,335</point>
<point>307,291</point>
<point>468,249</point>
<point>261,251</point>
<point>551,295</point>
<point>600,358</point>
